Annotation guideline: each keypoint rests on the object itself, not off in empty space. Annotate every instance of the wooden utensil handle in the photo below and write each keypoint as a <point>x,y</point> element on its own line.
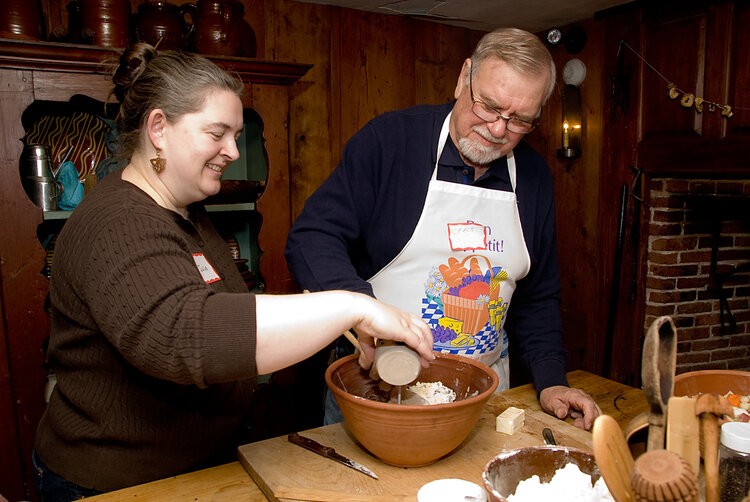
<point>310,444</point>
<point>710,426</point>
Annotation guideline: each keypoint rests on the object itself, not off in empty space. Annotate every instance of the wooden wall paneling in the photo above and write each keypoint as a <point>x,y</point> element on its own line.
<point>620,77</point>
<point>306,32</point>
<point>738,89</point>
<point>587,251</point>
<point>576,186</point>
<point>23,286</point>
<point>337,93</point>
<point>682,63</point>
<point>11,475</point>
<point>717,69</point>
<point>377,67</point>
<point>54,86</point>
<point>440,50</point>
<point>546,138</point>
<point>271,102</point>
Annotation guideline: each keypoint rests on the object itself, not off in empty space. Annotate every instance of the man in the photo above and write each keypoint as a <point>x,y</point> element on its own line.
<point>446,212</point>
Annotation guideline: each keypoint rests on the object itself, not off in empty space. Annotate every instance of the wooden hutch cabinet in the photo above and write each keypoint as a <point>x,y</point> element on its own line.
<point>33,71</point>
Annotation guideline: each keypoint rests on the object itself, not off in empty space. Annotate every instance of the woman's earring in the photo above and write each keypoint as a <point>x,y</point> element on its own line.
<point>157,163</point>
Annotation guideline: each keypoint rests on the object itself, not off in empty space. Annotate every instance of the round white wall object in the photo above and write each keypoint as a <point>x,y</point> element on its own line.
<point>574,72</point>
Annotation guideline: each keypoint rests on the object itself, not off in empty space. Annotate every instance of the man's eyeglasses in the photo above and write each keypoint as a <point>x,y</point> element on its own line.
<point>489,114</point>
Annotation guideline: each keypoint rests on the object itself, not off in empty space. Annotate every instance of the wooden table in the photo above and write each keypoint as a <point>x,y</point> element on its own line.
<point>282,471</point>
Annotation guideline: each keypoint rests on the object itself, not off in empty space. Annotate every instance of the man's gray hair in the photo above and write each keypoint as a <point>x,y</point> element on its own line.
<point>522,50</point>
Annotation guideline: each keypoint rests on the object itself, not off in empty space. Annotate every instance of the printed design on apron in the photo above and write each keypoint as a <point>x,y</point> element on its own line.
<point>464,307</point>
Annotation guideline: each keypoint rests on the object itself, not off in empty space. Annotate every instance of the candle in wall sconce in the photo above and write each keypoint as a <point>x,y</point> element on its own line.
<point>574,73</point>
<point>571,134</point>
<point>571,137</point>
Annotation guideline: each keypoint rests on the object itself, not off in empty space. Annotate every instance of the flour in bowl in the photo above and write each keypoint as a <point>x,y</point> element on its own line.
<point>568,484</point>
<point>433,392</point>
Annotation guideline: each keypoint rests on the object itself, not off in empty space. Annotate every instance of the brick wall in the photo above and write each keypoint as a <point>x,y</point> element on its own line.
<point>684,217</point>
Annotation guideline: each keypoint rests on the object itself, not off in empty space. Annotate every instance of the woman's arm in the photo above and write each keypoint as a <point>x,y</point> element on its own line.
<point>291,328</point>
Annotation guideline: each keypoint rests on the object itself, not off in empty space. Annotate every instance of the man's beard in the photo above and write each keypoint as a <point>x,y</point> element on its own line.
<point>479,154</point>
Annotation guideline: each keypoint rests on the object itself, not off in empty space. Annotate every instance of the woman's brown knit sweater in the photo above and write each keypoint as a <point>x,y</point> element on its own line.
<point>155,367</point>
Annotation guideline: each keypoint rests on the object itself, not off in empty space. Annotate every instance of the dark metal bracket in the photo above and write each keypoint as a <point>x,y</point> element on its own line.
<point>719,208</point>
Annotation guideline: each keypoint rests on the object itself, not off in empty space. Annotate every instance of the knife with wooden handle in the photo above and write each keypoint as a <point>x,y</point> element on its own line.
<point>328,452</point>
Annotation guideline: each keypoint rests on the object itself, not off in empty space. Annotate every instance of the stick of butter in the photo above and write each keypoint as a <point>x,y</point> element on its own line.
<point>510,420</point>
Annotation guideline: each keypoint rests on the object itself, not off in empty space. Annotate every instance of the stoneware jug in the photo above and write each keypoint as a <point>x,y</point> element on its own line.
<point>22,19</point>
<point>218,27</point>
<point>158,20</point>
<point>105,22</point>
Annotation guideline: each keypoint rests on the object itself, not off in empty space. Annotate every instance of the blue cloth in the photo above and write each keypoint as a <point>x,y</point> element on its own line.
<point>366,211</point>
<point>72,189</point>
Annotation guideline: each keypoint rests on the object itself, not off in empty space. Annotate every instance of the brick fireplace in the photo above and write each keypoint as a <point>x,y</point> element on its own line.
<point>698,269</point>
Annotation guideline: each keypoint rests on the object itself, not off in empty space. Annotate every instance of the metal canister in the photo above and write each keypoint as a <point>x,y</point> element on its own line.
<point>35,161</point>
<point>37,178</point>
<point>42,191</point>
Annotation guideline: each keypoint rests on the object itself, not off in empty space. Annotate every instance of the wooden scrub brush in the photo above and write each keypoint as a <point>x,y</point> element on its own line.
<point>663,476</point>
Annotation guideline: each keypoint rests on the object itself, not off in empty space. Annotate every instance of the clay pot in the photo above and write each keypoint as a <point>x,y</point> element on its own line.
<point>689,384</point>
<point>218,27</point>
<point>169,25</point>
<point>105,22</point>
<point>412,435</point>
<point>719,382</point>
<point>22,19</point>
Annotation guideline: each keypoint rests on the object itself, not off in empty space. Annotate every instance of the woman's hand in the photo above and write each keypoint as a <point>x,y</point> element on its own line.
<point>383,321</point>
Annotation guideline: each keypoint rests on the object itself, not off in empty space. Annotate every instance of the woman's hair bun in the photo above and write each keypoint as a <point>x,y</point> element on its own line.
<point>133,62</point>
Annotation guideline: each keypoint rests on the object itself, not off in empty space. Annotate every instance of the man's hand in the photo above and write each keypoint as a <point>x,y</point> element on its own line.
<point>562,402</point>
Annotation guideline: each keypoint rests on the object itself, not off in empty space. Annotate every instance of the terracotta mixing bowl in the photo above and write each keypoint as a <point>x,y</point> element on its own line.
<point>691,383</point>
<point>712,381</point>
<point>412,435</point>
<point>503,473</point>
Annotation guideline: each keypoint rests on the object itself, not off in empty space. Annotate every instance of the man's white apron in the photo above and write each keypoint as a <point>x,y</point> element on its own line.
<point>460,267</point>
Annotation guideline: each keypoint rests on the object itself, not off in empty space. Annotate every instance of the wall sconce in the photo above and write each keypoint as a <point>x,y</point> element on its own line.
<point>574,73</point>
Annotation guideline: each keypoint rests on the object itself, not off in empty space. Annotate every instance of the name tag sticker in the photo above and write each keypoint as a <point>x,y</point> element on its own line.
<point>206,270</point>
<point>467,236</point>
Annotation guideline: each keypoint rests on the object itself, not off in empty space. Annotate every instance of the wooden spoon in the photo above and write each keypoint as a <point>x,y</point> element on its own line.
<point>657,372</point>
<point>613,457</point>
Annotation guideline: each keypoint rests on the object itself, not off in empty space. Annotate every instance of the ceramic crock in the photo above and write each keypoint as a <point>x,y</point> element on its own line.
<point>169,25</point>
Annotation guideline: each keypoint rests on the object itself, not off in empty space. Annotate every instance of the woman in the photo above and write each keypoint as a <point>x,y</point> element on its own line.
<point>156,341</point>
